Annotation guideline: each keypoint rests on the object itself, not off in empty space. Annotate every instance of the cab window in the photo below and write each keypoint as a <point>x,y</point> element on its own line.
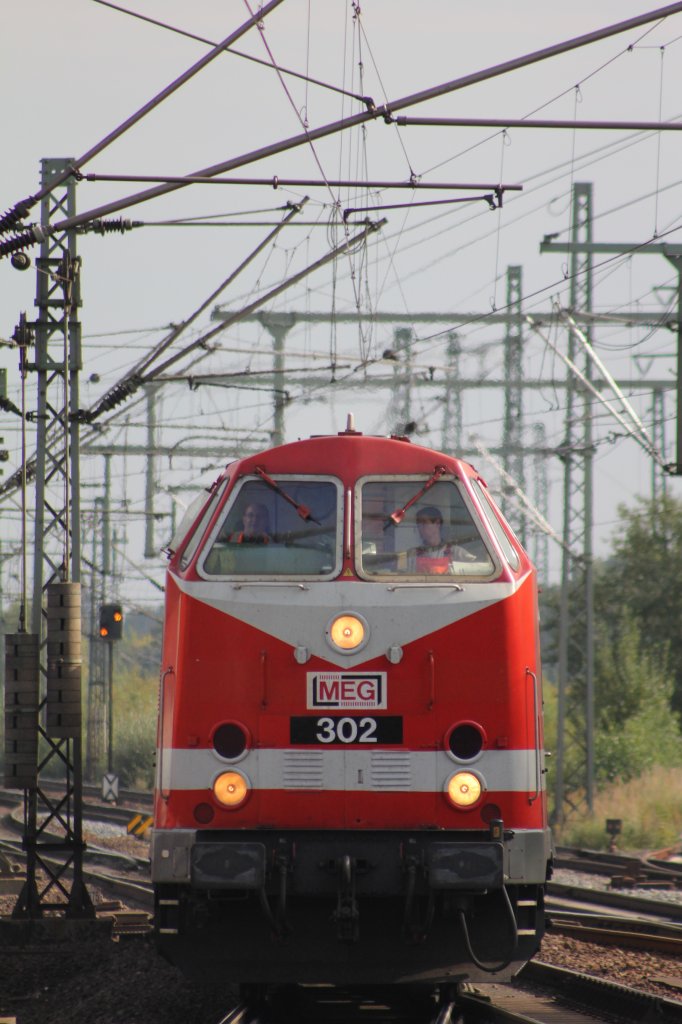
<point>286,527</point>
<point>403,532</point>
<point>501,537</point>
<point>190,521</point>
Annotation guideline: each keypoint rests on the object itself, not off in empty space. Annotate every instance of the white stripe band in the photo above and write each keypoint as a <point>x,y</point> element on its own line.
<point>352,769</point>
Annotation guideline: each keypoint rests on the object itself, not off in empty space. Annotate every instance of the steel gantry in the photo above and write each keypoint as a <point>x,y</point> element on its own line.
<point>512,436</point>
<point>45,663</point>
<point>575,734</point>
<point>574,779</point>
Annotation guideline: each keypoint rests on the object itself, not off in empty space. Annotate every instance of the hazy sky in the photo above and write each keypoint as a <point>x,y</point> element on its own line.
<point>72,72</point>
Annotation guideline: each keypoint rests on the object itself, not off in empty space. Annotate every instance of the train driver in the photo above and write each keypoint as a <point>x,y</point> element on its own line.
<point>255,526</point>
<point>434,554</point>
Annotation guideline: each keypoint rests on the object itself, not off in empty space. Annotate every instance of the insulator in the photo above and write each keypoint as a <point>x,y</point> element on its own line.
<point>22,698</point>
<point>118,394</point>
<point>29,237</point>
<point>13,244</point>
<point>106,227</point>
<point>7,405</point>
<point>18,213</point>
<point>20,260</point>
<point>63,660</point>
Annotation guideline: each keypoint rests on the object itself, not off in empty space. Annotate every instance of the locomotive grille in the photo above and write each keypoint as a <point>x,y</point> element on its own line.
<point>303,770</point>
<point>390,770</point>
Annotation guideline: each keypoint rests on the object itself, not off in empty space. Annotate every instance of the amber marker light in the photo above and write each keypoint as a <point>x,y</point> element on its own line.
<point>347,632</point>
<point>231,789</point>
<point>463,789</point>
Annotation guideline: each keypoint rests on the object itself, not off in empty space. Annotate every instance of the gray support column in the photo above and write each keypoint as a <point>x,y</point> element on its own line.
<point>512,438</point>
<point>574,780</point>
<point>278,325</point>
<point>57,551</point>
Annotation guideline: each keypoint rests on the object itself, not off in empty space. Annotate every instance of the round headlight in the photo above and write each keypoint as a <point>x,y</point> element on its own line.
<point>231,789</point>
<point>463,789</point>
<point>347,632</point>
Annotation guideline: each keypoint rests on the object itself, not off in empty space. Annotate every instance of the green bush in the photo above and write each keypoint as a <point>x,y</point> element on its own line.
<point>135,704</point>
<point>649,806</point>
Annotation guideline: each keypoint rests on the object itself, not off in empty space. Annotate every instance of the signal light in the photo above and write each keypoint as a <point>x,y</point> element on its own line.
<point>463,789</point>
<point>347,632</point>
<point>231,789</point>
<point>111,621</point>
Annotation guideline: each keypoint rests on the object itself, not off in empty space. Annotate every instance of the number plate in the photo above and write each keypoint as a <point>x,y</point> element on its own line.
<point>347,730</point>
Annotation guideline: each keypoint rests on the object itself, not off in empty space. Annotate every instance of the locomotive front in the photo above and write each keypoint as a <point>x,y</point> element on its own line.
<point>350,777</point>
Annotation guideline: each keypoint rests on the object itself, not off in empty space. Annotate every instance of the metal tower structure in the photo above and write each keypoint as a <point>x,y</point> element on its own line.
<point>278,326</point>
<point>512,438</point>
<point>451,434</point>
<point>540,498</point>
<point>575,755</point>
<point>574,750</point>
<point>399,413</point>
<point>54,822</point>
<point>100,570</point>
<point>659,481</point>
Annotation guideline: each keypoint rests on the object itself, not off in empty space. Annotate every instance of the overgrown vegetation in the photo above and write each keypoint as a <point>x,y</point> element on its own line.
<point>637,683</point>
<point>650,808</point>
<point>136,684</point>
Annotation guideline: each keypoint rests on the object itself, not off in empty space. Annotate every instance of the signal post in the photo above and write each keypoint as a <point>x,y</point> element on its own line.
<point>110,630</point>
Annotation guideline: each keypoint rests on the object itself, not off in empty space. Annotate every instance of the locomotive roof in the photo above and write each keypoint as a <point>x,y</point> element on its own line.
<point>351,452</point>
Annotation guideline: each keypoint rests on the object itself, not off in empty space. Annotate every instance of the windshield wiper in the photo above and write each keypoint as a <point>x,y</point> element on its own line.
<point>303,511</point>
<point>399,514</point>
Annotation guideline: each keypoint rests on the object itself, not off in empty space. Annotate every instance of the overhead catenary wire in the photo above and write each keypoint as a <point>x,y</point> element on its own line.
<point>634,434</point>
<point>639,426</point>
<point>237,53</point>
<point>312,135</point>
<point>553,99</point>
<point>276,182</point>
<point>634,140</point>
<point>496,122</point>
<point>525,504</point>
<point>133,378</point>
<point>277,290</point>
<point>131,383</point>
<point>7,222</point>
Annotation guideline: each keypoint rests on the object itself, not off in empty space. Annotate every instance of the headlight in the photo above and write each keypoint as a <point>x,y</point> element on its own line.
<point>347,632</point>
<point>231,789</point>
<point>463,789</point>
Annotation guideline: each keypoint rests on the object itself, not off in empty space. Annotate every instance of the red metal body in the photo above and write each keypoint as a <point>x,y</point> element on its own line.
<point>446,655</point>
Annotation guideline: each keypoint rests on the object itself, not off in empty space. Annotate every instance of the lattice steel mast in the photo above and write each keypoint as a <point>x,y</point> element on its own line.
<point>54,822</point>
<point>575,774</point>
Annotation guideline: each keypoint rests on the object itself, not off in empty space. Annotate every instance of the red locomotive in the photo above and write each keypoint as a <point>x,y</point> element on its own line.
<point>350,778</point>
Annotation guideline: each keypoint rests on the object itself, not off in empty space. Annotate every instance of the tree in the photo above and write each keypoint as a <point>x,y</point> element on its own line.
<point>644,577</point>
<point>634,726</point>
<point>638,648</point>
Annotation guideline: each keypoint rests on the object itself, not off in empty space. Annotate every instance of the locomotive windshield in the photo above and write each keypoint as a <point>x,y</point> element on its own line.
<point>407,530</point>
<point>286,526</point>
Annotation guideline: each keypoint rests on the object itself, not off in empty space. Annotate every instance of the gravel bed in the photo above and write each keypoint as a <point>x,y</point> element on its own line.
<point>123,982</point>
<point>603,884</point>
<point>630,967</point>
<point>649,972</point>
<point>126,982</point>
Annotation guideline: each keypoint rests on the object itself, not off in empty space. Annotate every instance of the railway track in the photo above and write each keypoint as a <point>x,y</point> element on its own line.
<point>121,877</point>
<point>540,995</point>
<point>631,932</point>
<point>649,871</point>
<point>648,924</point>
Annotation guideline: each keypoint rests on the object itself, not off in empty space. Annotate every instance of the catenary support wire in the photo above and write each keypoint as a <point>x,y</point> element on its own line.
<point>385,111</point>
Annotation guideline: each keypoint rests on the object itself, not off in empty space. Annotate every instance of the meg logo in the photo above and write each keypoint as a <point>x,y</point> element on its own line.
<point>346,690</point>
